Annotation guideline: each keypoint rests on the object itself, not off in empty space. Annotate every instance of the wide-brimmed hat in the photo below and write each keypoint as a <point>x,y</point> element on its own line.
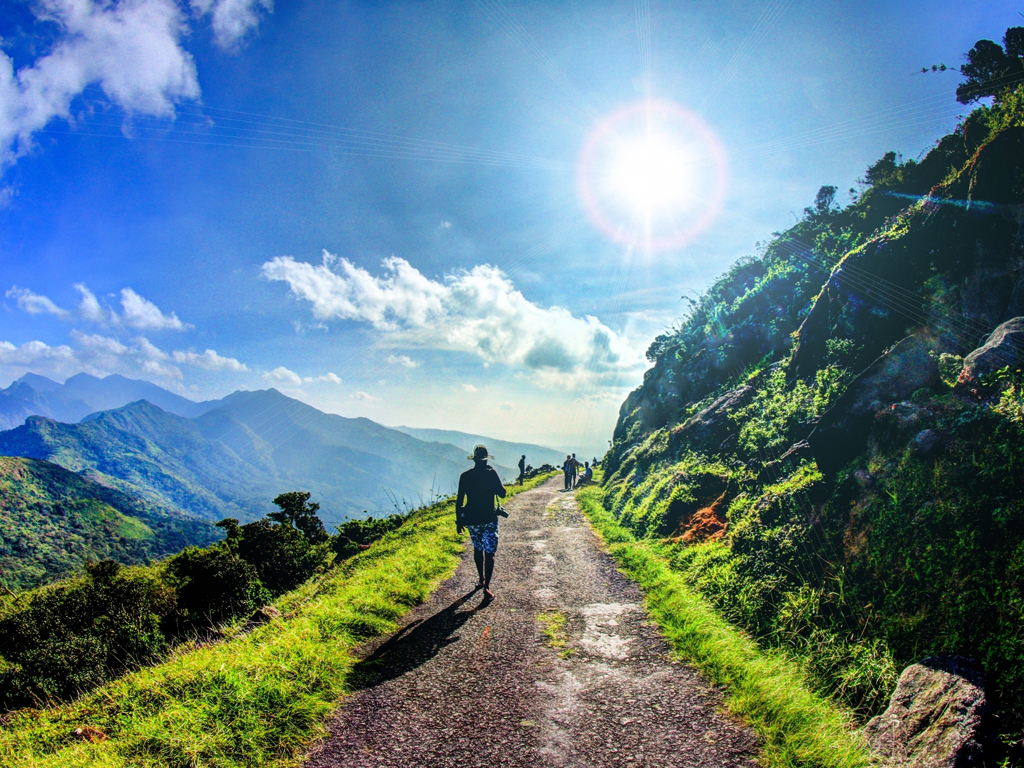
<point>480,454</point>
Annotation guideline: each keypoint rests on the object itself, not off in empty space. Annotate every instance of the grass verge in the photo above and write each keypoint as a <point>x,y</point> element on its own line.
<point>258,698</point>
<point>799,728</point>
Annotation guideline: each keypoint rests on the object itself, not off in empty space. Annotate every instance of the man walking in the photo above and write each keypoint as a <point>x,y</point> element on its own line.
<point>474,509</point>
<point>522,468</point>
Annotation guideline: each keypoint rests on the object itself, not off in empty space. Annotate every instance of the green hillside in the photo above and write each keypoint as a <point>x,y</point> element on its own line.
<point>54,520</point>
<point>829,465</point>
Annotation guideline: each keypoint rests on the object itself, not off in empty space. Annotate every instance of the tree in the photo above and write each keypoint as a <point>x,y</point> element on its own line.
<point>295,511</point>
<point>991,68</point>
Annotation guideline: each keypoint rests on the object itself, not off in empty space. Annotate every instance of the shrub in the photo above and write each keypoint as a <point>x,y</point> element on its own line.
<point>76,634</point>
<point>214,585</point>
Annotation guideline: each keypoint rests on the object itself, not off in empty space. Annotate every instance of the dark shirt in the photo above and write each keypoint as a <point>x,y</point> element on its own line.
<point>474,505</point>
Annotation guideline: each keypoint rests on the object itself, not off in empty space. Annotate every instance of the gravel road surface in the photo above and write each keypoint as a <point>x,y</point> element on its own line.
<point>470,683</point>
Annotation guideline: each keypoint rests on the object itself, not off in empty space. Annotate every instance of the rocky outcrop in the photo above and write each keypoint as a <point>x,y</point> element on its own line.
<point>843,430</point>
<point>1004,347</point>
<point>935,718</point>
<point>709,428</point>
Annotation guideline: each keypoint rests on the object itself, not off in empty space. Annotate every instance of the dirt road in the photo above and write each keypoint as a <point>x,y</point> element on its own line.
<point>466,683</point>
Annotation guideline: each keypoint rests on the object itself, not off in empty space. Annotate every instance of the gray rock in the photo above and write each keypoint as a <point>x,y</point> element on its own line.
<point>709,428</point>
<point>842,432</point>
<point>935,717</point>
<point>925,441</point>
<point>1004,346</point>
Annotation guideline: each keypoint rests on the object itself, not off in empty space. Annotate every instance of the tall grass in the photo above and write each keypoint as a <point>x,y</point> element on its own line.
<point>799,728</point>
<point>260,697</point>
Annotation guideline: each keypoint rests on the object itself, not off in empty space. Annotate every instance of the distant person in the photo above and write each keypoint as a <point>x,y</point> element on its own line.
<point>474,509</point>
<point>567,470</point>
<point>574,471</point>
<point>522,468</point>
<point>594,462</point>
<point>588,475</point>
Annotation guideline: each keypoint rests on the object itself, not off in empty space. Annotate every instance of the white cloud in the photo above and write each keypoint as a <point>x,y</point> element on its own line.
<point>477,311</point>
<point>89,308</point>
<point>506,405</point>
<point>282,375</point>
<point>445,224</point>
<point>130,49</point>
<point>35,353</point>
<point>139,313</point>
<point>210,361</point>
<point>107,345</point>
<point>143,314</point>
<point>232,20</point>
<point>469,388</point>
<point>403,360</point>
<point>34,303</point>
<point>365,397</point>
<point>327,378</point>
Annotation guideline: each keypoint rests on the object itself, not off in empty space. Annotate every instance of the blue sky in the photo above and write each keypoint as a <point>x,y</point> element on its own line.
<point>375,207</point>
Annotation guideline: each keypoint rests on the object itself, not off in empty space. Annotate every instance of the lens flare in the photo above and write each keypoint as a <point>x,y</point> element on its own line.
<point>652,175</point>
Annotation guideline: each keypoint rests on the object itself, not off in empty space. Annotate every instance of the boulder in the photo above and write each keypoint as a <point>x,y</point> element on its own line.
<point>707,429</point>
<point>935,717</point>
<point>842,432</point>
<point>1004,347</point>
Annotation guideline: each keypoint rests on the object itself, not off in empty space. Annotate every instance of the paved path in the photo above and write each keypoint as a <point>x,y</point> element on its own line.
<point>470,684</point>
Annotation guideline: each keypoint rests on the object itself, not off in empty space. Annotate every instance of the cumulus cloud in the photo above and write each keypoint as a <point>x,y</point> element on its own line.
<point>477,311</point>
<point>327,378</point>
<point>145,315</point>
<point>35,353</point>
<point>130,49</point>
<point>469,388</point>
<point>365,397</point>
<point>282,375</point>
<point>232,20</point>
<point>403,360</point>
<point>210,361</point>
<point>35,304</point>
<point>138,312</point>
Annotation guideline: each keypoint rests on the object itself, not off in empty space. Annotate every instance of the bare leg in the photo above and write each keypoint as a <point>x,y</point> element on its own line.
<point>488,572</point>
<point>478,559</point>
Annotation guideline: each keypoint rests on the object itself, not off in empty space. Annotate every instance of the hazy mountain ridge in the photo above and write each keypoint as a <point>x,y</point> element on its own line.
<point>83,394</point>
<point>505,452</point>
<point>54,520</point>
<point>237,456</point>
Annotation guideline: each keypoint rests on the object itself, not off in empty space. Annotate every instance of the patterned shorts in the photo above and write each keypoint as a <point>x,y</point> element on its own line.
<point>484,537</point>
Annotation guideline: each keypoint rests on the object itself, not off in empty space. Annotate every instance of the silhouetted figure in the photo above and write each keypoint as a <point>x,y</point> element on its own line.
<point>567,470</point>
<point>522,468</point>
<point>574,471</point>
<point>474,509</point>
<point>587,476</point>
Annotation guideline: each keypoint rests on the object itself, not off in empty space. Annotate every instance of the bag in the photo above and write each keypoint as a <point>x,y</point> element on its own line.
<point>501,511</point>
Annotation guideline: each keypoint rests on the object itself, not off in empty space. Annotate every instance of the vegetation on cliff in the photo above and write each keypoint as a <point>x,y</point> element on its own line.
<point>819,459</point>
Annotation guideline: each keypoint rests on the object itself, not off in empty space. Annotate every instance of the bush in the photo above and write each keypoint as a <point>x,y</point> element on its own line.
<point>77,634</point>
<point>282,556</point>
<point>214,585</point>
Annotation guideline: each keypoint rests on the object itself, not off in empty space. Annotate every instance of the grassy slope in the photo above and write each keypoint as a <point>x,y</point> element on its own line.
<point>256,699</point>
<point>799,727</point>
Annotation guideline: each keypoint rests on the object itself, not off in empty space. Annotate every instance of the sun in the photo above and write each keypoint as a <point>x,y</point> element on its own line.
<point>652,175</point>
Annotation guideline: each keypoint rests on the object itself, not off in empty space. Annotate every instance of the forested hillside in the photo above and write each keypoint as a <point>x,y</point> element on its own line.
<point>54,521</point>
<point>836,463</point>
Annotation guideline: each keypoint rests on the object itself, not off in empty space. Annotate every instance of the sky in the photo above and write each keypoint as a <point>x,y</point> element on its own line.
<point>466,215</point>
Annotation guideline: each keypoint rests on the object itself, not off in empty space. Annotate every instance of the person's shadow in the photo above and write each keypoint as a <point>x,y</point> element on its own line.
<point>414,644</point>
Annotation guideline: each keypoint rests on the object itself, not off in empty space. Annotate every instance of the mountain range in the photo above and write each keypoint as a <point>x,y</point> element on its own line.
<point>76,398</point>
<point>231,457</point>
<point>505,453</point>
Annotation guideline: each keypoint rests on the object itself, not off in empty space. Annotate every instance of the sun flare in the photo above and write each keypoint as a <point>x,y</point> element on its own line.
<point>652,175</point>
